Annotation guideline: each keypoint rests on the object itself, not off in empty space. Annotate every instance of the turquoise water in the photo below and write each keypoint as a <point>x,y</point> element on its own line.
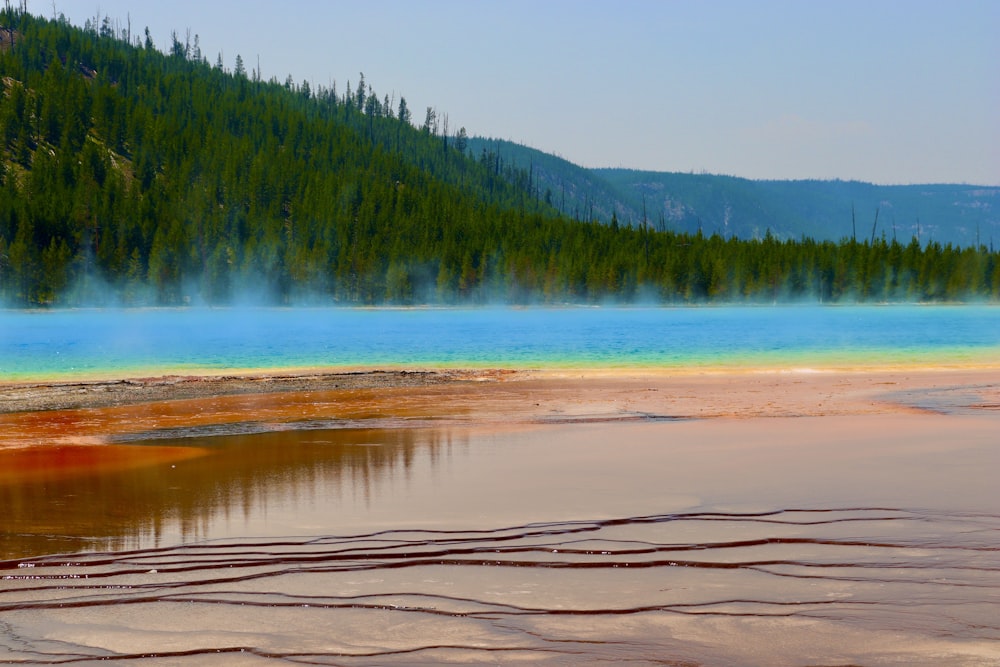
<point>86,343</point>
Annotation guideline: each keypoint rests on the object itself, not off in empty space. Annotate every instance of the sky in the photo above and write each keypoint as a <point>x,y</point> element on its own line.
<point>892,92</point>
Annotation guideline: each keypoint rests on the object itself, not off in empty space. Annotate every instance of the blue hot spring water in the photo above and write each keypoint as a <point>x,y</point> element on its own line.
<point>114,342</point>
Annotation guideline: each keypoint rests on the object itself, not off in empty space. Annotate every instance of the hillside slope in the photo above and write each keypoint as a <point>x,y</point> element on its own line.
<point>167,180</point>
<point>134,176</point>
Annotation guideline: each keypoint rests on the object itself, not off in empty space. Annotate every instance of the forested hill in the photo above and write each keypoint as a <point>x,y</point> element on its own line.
<point>164,178</point>
<point>963,215</point>
<point>137,176</point>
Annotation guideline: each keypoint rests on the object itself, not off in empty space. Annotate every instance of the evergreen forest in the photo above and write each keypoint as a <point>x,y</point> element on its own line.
<point>135,175</point>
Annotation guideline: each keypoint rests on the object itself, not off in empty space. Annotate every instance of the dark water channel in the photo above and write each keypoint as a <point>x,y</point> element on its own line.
<point>811,541</point>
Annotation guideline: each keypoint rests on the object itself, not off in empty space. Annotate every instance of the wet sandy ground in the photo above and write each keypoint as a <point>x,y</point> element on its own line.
<point>736,519</point>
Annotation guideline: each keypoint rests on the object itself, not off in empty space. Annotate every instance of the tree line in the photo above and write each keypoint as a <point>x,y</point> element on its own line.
<point>138,176</point>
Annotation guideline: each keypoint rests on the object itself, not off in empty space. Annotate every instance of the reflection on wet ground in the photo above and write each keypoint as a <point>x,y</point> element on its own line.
<point>800,541</point>
<point>119,497</point>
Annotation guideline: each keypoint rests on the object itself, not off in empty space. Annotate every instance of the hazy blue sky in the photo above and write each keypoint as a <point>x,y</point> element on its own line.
<point>892,92</point>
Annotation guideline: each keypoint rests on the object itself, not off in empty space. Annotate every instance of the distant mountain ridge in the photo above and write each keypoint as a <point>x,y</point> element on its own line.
<point>959,214</point>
